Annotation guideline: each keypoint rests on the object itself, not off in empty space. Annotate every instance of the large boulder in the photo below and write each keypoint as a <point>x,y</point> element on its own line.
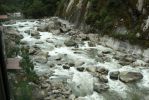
<point>128,77</point>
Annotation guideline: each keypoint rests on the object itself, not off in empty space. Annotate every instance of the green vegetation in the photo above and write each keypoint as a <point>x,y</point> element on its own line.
<point>39,8</point>
<point>28,66</point>
<point>105,16</point>
<point>30,8</point>
<point>7,6</point>
<point>20,85</point>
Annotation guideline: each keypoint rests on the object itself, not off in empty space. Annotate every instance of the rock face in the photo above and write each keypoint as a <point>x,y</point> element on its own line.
<point>87,11</point>
<point>128,77</point>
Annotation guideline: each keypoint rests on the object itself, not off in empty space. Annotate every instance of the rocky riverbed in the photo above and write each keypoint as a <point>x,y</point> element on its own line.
<point>73,65</point>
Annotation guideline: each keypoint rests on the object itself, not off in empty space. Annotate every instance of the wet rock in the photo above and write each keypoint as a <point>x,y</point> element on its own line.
<point>81,69</point>
<point>126,60</point>
<point>114,75</point>
<point>70,43</point>
<point>71,64</point>
<point>106,52</point>
<point>66,67</point>
<point>100,87</point>
<point>36,37</point>
<point>130,76</point>
<point>58,58</point>
<point>39,42</point>
<point>27,31</point>
<point>124,63</point>
<point>103,79</point>
<point>21,26</point>
<point>91,44</point>
<point>102,70</point>
<point>129,59</point>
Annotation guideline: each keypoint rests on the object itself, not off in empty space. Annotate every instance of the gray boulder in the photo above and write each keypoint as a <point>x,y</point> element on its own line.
<point>128,77</point>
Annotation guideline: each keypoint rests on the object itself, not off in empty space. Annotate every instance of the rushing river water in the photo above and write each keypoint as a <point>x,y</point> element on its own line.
<point>81,83</point>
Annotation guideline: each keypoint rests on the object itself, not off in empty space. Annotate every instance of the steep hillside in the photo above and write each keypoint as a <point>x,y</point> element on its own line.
<point>126,20</point>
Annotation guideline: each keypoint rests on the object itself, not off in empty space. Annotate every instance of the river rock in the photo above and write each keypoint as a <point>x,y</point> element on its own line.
<point>27,31</point>
<point>32,50</point>
<point>41,57</point>
<point>102,70</point>
<point>91,69</point>
<point>50,64</point>
<point>128,77</point>
<point>114,75</point>
<point>55,31</point>
<point>83,37</point>
<point>34,33</point>
<point>66,67</point>
<point>139,63</point>
<point>70,43</point>
<point>49,41</point>
<point>100,87</point>
<point>91,44</point>
<point>51,25</point>
<point>81,69</point>
<point>103,78</point>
